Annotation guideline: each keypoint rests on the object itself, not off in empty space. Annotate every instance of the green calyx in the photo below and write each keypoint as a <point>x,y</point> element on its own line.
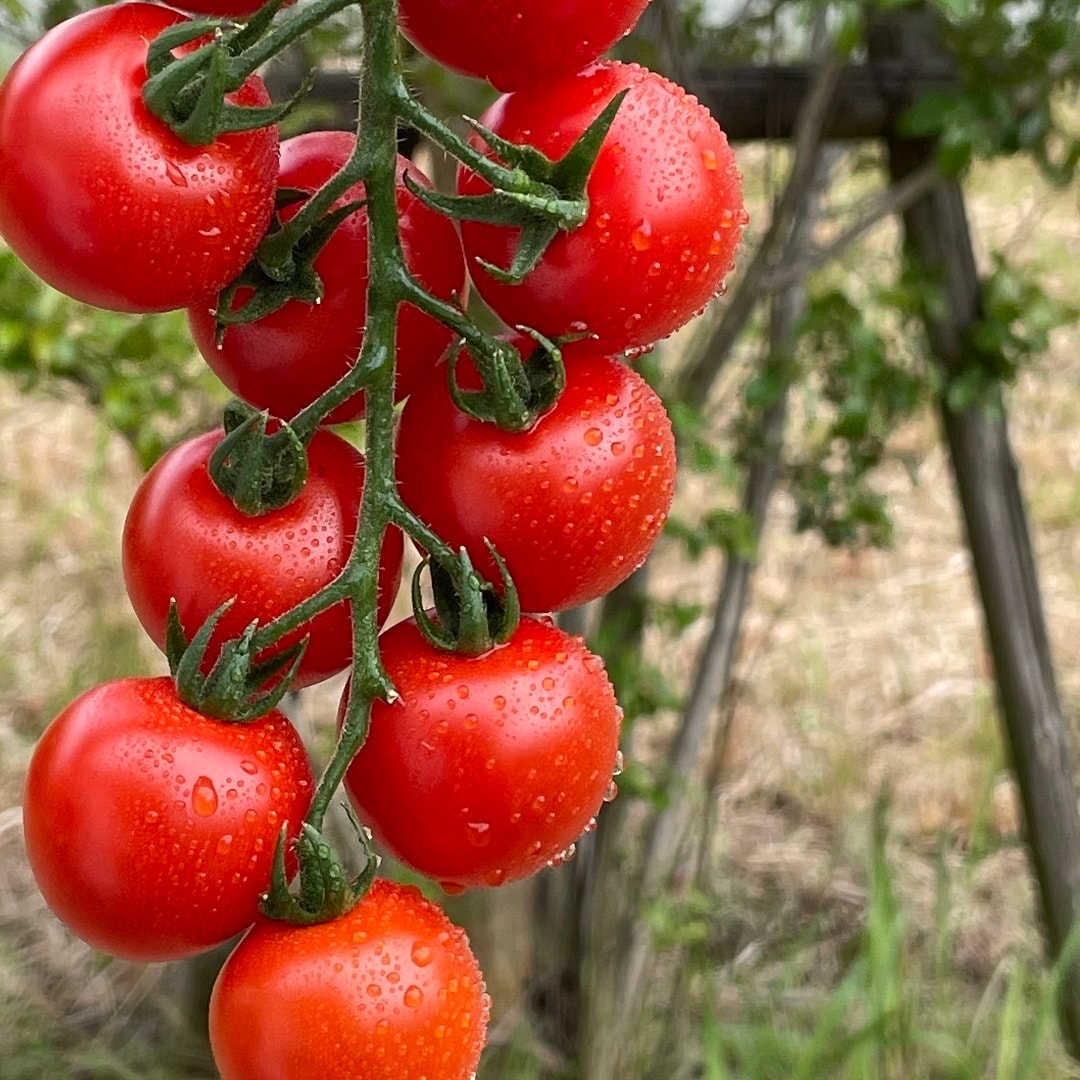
<point>237,688</point>
<point>516,392</point>
<point>325,890</point>
<point>472,617</point>
<point>282,270</point>
<point>258,470</point>
<point>547,196</point>
<point>188,92</point>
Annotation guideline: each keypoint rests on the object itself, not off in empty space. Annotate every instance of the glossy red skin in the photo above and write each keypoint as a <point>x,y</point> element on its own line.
<point>390,991</point>
<point>99,197</point>
<point>665,215</point>
<point>286,360</point>
<point>513,44</point>
<point>573,505</point>
<point>184,539</point>
<point>488,768</point>
<point>150,828</point>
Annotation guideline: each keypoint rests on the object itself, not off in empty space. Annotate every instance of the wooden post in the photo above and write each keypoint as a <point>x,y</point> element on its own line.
<point>988,485</point>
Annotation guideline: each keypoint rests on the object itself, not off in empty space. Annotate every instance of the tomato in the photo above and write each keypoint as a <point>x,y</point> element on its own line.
<point>573,505</point>
<point>514,44</point>
<point>486,769</point>
<point>99,197</point>
<point>390,991</point>
<point>287,359</point>
<point>183,539</point>
<point>150,829</point>
<point>665,211</point>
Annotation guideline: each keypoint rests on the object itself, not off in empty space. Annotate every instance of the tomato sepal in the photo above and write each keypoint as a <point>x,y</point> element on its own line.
<point>516,393</point>
<point>471,616</point>
<point>188,92</point>
<point>257,469</point>
<point>277,276</point>
<point>325,892</point>
<point>238,688</point>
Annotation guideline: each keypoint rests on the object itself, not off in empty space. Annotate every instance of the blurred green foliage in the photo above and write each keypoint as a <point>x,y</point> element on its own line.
<point>142,371</point>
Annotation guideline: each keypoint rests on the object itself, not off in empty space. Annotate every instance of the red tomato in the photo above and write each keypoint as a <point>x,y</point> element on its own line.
<point>486,769</point>
<point>390,991</point>
<point>514,44</point>
<point>99,197</point>
<point>183,539</point>
<point>665,213</point>
<point>150,828</point>
<point>284,361</point>
<point>573,505</point>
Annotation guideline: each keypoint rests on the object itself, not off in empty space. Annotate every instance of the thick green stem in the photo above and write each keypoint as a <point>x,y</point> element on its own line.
<point>377,147</point>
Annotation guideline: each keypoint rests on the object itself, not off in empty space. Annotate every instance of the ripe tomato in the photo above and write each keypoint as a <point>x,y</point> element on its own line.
<point>284,361</point>
<point>151,829</point>
<point>573,505</point>
<point>390,991</point>
<point>488,768</point>
<point>183,539</point>
<point>99,197</point>
<point>513,44</point>
<point>665,215</point>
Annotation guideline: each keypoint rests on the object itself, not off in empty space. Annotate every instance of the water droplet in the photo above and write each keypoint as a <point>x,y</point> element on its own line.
<point>451,888</point>
<point>620,763</point>
<point>479,833</point>
<point>593,436</point>
<point>708,159</point>
<point>204,799</point>
<point>494,877</point>
<point>249,767</point>
<point>422,954</point>
<point>172,171</point>
<point>641,237</point>
<point>413,997</point>
<point>151,817</point>
<point>223,844</point>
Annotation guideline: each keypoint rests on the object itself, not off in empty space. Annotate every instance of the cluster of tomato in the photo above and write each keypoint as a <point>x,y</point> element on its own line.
<point>151,828</point>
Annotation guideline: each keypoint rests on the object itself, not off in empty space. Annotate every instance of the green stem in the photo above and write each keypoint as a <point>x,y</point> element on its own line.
<point>498,175</point>
<point>299,22</point>
<point>377,146</point>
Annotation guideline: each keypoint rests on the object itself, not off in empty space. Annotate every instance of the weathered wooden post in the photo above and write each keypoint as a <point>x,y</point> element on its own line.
<point>988,485</point>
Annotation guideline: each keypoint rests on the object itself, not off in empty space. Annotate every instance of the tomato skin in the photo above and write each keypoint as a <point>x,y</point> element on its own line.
<point>284,361</point>
<point>99,197</point>
<point>184,539</point>
<point>513,44</point>
<point>150,829</point>
<point>665,211</point>
<point>390,991</point>
<point>487,768</point>
<point>573,505</point>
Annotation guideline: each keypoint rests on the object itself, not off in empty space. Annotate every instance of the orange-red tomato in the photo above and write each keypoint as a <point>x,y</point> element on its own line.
<point>390,991</point>
<point>150,828</point>
<point>486,769</point>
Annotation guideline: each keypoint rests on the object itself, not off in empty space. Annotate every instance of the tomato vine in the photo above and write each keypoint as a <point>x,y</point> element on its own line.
<point>514,721</point>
